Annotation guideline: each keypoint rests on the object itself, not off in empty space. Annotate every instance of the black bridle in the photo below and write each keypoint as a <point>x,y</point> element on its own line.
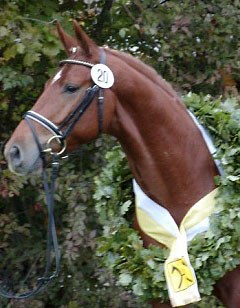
<point>60,134</point>
<point>68,124</point>
<point>72,119</point>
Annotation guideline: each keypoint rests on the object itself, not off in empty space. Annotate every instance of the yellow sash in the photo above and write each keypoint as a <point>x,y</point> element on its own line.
<point>158,223</point>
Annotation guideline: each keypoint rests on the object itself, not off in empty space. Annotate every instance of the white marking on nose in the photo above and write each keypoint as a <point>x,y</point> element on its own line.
<point>57,76</point>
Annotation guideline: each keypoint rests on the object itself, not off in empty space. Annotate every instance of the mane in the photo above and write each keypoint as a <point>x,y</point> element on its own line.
<point>145,70</point>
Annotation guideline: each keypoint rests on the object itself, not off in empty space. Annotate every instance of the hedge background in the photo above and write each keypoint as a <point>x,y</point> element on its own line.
<point>193,44</point>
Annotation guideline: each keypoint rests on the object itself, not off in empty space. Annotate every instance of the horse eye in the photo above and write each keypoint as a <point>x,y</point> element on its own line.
<point>69,88</point>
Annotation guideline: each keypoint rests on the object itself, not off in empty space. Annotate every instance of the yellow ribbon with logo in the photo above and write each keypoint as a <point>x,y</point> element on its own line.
<point>157,222</point>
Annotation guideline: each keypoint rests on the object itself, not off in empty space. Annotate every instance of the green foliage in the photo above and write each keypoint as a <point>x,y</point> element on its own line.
<point>27,50</point>
<point>194,44</point>
<point>191,43</point>
<point>212,253</point>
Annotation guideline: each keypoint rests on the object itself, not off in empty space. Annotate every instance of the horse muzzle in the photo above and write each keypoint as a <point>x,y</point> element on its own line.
<point>21,161</point>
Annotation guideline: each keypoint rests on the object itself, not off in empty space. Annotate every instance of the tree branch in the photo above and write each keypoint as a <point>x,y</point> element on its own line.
<point>102,18</point>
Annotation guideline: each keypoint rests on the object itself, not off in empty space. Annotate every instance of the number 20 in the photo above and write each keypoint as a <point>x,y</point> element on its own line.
<point>103,76</point>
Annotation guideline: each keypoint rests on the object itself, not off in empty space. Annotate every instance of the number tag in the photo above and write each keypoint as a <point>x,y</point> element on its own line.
<point>102,76</point>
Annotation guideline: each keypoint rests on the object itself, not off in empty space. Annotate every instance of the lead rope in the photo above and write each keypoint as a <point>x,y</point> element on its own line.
<point>52,234</point>
<point>49,193</point>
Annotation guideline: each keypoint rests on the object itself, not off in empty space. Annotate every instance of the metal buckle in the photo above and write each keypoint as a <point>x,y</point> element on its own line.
<point>60,140</point>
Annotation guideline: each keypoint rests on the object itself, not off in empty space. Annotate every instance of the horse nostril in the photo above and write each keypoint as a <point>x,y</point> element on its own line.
<point>15,155</point>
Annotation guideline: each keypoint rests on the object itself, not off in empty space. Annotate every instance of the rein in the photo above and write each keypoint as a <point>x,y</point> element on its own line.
<point>49,183</point>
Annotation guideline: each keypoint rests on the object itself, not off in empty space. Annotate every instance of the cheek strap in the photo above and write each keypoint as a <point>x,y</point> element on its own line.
<point>101,97</point>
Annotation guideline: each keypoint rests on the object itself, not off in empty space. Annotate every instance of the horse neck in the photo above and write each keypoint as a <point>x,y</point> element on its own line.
<point>165,150</point>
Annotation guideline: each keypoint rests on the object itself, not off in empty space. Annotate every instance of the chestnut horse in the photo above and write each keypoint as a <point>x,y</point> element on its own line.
<point>166,152</point>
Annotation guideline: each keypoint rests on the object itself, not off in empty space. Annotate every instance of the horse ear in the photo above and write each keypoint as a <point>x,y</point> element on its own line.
<point>68,42</point>
<point>87,45</point>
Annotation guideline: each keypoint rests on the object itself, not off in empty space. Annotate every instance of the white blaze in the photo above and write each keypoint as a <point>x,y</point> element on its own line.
<point>57,76</point>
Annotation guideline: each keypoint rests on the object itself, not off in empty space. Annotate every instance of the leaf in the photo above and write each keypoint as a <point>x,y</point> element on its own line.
<point>233,178</point>
<point>125,207</point>
<point>122,32</point>
<point>73,304</point>
<point>151,263</point>
<point>125,279</point>
<point>10,52</point>
<point>51,51</point>
<point>3,31</point>
<point>20,48</point>
<point>30,58</point>
<point>137,289</point>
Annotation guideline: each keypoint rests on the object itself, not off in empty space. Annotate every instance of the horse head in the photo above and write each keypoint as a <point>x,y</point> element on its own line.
<point>52,114</point>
